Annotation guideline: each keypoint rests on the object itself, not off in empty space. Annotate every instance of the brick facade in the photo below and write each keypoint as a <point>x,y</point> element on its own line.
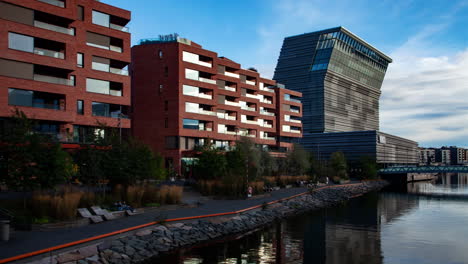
<point>51,20</point>
<point>221,102</point>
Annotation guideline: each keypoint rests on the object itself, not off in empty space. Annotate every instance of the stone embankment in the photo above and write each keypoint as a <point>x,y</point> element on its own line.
<point>156,240</point>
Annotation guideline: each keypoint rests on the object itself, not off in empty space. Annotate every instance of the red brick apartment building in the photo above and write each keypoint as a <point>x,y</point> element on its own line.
<point>184,95</point>
<point>63,63</point>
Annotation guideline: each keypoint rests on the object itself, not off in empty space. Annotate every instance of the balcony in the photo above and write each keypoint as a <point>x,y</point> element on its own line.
<point>294,110</point>
<point>118,27</point>
<point>54,80</point>
<point>248,108</point>
<point>49,53</point>
<point>195,59</point>
<point>250,82</point>
<point>294,121</point>
<point>118,71</point>
<point>68,31</point>
<point>229,132</point>
<point>226,102</point>
<point>250,135</point>
<point>232,89</point>
<point>267,125</point>
<point>254,96</point>
<point>230,74</point>
<point>268,138</point>
<point>295,131</point>
<point>266,89</point>
<point>267,113</point>
<point>54,2</point>
<point>206,112</point>
<point>265,101</point>
<point>251,122</point>
<point>201,79</point>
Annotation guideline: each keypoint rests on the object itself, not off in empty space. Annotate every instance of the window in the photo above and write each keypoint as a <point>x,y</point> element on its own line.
<point>20,97</point>
<point>101,19</point>
<point>160,88</point>
<point>80,107</point>
<point>191,107</point>
<point>101,64</point>
<point>73,80</point>
<point>79,60</point>
<point>190,90</point>
<point>166,105</point>
<point>20,42</point>
<point>80,12</point>
<point>191,124</point>
<point>166,122</point>
<point>160,53</point>
<point>36,99</point>
<point>166,71</point>
<point>191,74</point>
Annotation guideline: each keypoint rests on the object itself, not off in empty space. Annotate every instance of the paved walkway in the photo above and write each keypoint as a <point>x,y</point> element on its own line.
<point>27,241</point>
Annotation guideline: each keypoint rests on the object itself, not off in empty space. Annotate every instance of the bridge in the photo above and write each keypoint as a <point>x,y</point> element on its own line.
<point>424,169</point>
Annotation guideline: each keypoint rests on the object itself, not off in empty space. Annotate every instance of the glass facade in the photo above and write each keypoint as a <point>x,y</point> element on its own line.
<point>191,123</point>
<point>27,98</point>
<point>20,42</point>
<point>101,19</point>
<point>107,110</point>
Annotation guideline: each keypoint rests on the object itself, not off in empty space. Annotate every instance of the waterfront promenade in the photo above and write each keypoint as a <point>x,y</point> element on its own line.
<point>22,242</point>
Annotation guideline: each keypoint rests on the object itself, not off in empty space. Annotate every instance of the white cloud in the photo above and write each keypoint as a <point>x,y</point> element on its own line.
<point>424,97</point>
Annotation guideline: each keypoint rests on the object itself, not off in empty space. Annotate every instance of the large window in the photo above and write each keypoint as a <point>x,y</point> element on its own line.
<point>80,107</point>
<point>101,19</point>
<point>21,97</point>
<point>191,124</point>
<point>101,64</point>
<point>79,60</point>
<point>190,90</point>
<point>20,42</point>
<point>191,74</point>
<point>191,107</point>
<point>107,110</point>
<point>97,86</point>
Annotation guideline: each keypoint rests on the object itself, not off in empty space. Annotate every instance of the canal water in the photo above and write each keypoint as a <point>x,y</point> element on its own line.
<point>397,226</point>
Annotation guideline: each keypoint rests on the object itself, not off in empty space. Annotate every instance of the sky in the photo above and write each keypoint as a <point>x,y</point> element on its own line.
<point>425,91</point>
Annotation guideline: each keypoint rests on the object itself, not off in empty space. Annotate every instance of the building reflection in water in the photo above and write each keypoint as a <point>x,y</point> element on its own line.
<point>447,183</point>
<point>343,234</point>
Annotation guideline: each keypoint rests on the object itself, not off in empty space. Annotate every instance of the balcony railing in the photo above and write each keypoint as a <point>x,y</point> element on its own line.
<point>118,71</point>
<point>232,89</point>
<point>115,48</point>
<point>267,125</point>
<point>235,75</point>
<point>268,138</point>
<point>54,2</point>
<point>201,79</point>
<point>254,96</point>
<point>112,48</point>
<point>205,112</point>
<point>252,122</point>
<point>121,28</point>
<point>47,106</point>
<point>51,79</point>
<point>205,96</point>
<point>49,53</point>
<point>268,90</point>
<point>294,111</point>
<point>226,102</point>
<point>294,131</point>
<point>250,82</point>
<point>294,121</point>
<point>250,135</point>
<point>293,100</point>
<point>267,101</point>
<point>228,132</point>
<point>248,108</point>
<point>199,62</point>
<point>267,113</point>
<point>224,116</point>
<point>68,31</point>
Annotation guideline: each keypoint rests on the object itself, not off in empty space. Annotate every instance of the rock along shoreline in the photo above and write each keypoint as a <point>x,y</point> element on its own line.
<point>151,242</point>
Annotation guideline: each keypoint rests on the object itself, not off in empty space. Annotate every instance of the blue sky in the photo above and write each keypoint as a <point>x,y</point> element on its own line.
<point>425,93</point>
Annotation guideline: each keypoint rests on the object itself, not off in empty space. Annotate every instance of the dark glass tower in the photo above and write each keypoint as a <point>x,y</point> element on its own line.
<point>340,77</point>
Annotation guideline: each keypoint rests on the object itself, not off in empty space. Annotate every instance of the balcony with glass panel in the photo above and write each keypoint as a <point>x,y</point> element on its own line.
<point>291,129</point>
<point>197,59</point>
<point>227,129</point>
<point>249,120</point>
<point>250,80</point>
<point>104,87</point>
<point>53,23</point>
<point>53,75</point>
<point>104,42</point>
<point>292,98</point>
<point>108,65</point>
<point>231,72</point>
<point>266,136</point>
<point>36,45</point>
<point>110,110</point>
<point>267,100</point>
<point>226,114</point>
<point>227,85</point>
<point>263,87</point>
<point>199,76</point>
<point>20,97</point>
<point>109,21</point>
<point>292,119</point>
<point>202,109</point>
<point>195,124</point>
<point>294,109</point>
<point>196,92</point>
<point>266,111</point>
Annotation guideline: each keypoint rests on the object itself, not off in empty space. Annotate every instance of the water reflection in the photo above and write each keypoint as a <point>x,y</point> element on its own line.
<point>376,228</point>
<point>446,183</point>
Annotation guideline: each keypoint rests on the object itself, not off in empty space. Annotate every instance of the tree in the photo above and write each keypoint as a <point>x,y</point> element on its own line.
<point>298,161</point>
<point>368,167</point>
<point>338,164</point>
<point>211,164</point>
<point>267,163</point>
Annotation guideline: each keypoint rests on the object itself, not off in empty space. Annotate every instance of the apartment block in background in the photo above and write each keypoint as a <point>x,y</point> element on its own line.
<point>63,63</point>
<point>184,95</point>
